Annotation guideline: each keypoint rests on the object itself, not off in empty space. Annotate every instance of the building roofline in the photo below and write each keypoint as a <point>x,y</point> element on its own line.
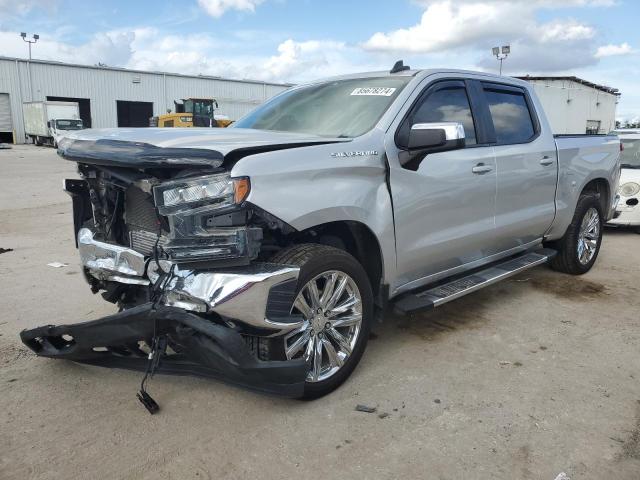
<point>602,88</point>
<point>152,72</point>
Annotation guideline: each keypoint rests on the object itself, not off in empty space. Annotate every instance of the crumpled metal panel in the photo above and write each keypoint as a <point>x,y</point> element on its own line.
<point>241,294</point>
<point>105,259</point>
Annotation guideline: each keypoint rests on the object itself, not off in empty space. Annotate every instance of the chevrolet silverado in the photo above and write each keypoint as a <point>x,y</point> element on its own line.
<point>262,253</point>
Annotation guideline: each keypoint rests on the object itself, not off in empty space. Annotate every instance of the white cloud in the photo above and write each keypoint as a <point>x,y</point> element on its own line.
<point>217,8</point>
<point>474,26</point>
<point>614,50</point>
<point>569,30</point>
<point>446,24</point>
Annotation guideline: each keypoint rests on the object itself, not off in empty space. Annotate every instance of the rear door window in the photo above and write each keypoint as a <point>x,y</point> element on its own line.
<point>512,119</point>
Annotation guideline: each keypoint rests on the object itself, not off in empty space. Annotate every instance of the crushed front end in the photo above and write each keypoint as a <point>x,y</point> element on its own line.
<point>167,235</point>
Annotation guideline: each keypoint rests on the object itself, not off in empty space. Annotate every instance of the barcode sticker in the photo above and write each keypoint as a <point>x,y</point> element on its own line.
<point>375,91</point>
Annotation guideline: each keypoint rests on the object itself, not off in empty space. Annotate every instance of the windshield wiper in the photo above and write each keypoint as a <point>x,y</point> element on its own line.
<point>628,165</point>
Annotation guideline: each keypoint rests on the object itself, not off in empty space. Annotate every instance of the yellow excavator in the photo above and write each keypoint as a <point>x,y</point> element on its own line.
<point>192,112</point>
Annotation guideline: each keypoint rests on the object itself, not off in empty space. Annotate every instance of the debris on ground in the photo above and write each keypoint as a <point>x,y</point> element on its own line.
<point>504,362</point>
<point>562,476</point>
<point>365,408</point>
<point>5,250</point>
<point>57,264</point>
<point>437,400</point>
<point>383,415</point>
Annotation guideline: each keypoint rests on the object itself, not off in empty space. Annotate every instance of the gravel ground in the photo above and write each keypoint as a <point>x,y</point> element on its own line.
<point>523,380</point>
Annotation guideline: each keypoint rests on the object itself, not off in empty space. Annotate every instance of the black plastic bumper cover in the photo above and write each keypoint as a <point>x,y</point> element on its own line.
<point>203,348</point>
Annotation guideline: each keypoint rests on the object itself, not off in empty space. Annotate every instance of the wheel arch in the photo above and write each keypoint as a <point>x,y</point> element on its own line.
<point>599,186</point>
<point>358,240</point>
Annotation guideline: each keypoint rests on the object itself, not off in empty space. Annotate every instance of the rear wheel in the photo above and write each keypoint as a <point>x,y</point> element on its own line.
<point>578,249</point>
<point>334,297</point>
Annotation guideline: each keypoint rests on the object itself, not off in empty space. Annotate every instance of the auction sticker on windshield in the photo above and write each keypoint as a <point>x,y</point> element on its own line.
<point>377,91</point>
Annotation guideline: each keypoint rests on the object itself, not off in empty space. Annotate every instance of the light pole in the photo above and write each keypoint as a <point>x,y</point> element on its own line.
<point>506,50</point>
<point>35,39</point>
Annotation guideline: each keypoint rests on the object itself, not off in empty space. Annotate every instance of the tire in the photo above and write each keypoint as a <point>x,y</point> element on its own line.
<point>568,258</point>
<point>317,262</point>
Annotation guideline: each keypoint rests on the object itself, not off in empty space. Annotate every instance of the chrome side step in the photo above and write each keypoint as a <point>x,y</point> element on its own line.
<point>436,296</point>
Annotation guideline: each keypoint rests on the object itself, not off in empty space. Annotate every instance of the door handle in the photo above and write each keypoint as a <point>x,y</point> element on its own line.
<point>481,168</point>
<point>546,161</point>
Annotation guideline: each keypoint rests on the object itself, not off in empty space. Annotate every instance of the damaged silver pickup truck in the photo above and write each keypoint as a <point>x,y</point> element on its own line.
<point>262,253</point>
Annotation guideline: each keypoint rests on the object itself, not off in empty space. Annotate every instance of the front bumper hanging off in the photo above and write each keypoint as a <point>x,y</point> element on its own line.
<point>199,347</point>
<point>254,300</point>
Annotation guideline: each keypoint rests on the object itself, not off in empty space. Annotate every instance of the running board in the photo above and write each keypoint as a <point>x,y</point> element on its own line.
<point>436,296</point>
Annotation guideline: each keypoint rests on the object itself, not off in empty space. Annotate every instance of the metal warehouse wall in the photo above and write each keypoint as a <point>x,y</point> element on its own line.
<point>569,105</point>
<point>104,86</point>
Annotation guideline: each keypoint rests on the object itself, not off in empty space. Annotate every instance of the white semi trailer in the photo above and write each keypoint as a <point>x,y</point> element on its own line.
<point>47,122</point>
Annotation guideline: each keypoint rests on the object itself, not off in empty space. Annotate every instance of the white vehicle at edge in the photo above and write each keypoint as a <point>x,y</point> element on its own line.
<point>46,123</point>
<point>628,211</point>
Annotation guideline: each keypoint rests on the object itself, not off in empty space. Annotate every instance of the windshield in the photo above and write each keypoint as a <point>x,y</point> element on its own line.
<point>69,124</point>
<point>340,108</point>
<point>630,156</point>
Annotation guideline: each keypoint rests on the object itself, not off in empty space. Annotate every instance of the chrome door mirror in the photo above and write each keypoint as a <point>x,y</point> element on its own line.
<point>436,137</point>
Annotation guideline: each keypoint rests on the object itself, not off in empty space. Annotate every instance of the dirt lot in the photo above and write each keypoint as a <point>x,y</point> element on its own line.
<point>524,380</point>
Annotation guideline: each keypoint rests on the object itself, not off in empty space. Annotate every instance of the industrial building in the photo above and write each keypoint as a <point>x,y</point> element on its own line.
<point>576,106</point>
<point>119,97</point>
<point>115,97</point>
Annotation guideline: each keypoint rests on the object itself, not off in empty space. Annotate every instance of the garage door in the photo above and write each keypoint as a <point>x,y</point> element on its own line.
<point>5,113</point>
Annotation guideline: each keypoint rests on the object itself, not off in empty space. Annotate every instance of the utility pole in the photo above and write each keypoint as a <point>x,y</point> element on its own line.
<point>36,37</point>
<point>506,50</point>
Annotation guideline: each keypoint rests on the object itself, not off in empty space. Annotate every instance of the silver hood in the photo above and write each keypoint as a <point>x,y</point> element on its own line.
<point>177,147</point>
<point>223,140</point>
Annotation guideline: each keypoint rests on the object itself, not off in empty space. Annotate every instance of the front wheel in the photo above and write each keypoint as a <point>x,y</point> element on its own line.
<point>334,297</point>
<point>579,248</point>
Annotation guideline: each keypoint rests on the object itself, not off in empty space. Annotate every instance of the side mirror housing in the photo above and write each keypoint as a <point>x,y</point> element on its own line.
<point>436,137</point>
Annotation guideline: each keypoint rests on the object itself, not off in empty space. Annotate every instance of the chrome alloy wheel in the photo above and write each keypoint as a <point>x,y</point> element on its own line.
<point>331,305</point>
<point>588,236</point>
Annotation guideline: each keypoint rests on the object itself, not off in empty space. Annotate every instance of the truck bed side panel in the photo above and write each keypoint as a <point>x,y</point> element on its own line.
<point>581,159</point>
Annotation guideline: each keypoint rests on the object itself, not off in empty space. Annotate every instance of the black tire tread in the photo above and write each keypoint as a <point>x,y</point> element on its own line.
<point>565,261</point>
<point>300,255</point>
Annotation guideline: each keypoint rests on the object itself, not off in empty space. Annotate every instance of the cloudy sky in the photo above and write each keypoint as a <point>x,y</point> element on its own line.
<point>297,40</point>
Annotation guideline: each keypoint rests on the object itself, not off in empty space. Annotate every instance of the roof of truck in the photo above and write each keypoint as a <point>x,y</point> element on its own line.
<point>420,73</point>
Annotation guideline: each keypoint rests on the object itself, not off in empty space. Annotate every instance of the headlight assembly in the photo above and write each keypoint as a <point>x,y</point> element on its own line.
<point>629,189</point>
<point>189,205</point>
<point>213,191</point>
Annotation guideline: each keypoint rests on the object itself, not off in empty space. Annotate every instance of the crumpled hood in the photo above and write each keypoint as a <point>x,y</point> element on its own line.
<point>176,147</point>
<point>220,140</point>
